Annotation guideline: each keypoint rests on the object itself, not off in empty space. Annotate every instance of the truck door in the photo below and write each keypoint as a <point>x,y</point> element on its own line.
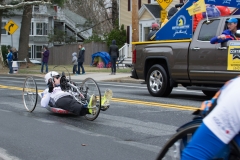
<point>202,52</point>
<point>227,65</point>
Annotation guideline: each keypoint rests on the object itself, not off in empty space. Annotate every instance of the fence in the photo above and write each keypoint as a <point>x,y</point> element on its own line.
<point>62,55</point>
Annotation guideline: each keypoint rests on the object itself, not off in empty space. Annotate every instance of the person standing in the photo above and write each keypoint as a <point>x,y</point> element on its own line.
<point>81,58</point>
<point>15,54</point>
<point>45,56</point>
<point>152,34</point>
<point>74,62</point>
<point>114,54</point>
<point>10,60</point>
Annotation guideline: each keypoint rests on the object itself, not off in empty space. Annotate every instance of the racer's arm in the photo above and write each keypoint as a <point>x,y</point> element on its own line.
<point>46,98</point>
<point>47,93</point>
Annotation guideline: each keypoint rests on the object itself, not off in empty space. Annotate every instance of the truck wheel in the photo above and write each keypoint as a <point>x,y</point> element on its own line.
<point>209,93</point>
<point>157,82</point>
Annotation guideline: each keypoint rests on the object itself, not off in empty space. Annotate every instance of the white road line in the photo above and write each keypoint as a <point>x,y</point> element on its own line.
<point>5,156</point>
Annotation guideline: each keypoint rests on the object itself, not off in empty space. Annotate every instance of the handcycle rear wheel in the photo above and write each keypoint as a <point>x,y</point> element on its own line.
<point>92,88</point>
<point>30,94</point>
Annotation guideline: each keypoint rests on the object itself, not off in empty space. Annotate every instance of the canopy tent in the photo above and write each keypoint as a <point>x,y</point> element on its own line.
<point>101,60</point>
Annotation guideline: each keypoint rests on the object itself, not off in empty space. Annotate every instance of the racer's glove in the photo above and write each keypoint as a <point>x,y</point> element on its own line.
<point>50,87</point>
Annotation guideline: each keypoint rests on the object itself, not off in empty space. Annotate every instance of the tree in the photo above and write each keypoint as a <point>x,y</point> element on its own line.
<point>118,34</point>
<point>4,7</point>
<point>101,15</point>
<point>26,24</point>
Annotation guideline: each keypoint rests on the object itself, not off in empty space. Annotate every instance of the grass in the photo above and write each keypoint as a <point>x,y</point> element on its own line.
<point>33,69</point>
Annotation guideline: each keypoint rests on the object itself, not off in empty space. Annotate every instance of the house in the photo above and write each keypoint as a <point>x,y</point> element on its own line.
<point>44,20</point>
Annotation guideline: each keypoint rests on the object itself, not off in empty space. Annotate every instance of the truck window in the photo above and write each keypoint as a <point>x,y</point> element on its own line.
<point>208,30</point>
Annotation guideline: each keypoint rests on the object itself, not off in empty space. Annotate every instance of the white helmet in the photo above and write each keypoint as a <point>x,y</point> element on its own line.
<point>50,75</point>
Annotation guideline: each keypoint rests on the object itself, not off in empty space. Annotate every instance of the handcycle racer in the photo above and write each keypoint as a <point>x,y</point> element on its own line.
<point>56,97</point>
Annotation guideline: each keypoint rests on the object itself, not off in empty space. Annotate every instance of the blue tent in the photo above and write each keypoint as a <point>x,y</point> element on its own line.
<point>104,56</point>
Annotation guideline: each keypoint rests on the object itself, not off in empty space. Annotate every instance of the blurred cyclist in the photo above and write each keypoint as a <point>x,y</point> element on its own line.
<point>219,127</point>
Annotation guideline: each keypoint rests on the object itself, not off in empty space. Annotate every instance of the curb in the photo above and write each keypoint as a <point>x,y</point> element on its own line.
<point>119,80</point>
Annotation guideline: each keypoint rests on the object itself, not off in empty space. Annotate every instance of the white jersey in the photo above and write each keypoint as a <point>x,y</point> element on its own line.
<point>53,97</point>
<point>224,119</point>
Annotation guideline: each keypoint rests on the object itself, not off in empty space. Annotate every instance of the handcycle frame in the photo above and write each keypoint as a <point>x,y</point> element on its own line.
<point>190,128</point>
<point>81,94</point>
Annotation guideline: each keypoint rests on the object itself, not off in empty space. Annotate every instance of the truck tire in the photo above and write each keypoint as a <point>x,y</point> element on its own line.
<point>158,82</point>
<point>209,93</point>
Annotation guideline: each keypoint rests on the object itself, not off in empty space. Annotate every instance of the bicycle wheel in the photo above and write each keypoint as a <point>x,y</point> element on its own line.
<point>173,148</point>
<point>92,88</point>
<point>30,94</point>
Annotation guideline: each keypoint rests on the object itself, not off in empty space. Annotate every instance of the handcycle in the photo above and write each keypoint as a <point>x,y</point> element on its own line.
<point>175,145</point>
<point>81,93</point>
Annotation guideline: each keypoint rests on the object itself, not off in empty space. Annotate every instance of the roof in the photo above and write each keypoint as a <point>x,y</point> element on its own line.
<point>74,17</point>
<point>154,9</point>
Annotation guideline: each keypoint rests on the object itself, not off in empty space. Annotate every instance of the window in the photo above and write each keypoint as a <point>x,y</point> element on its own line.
<point>146,32</point>
<point>208,30</point>
<point>30,51</point>
<point>38,51</point>
<point>139,4</point>
<point>41,28</point>
<point>36,9</point>
<point>129,5</point>
<point>3,30</point>
<point>45,28</point>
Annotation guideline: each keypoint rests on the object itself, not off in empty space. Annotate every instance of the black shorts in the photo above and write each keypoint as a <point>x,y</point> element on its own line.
<point>68,103</point>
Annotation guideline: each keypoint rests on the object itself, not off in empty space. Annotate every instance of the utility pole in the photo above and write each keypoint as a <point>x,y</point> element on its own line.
<point>135,21</point>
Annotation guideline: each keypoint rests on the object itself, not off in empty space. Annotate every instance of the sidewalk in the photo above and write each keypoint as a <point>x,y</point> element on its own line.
<point>106,77</point>
<point>97,76</point>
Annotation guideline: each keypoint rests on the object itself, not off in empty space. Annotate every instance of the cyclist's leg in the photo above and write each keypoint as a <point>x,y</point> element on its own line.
<point>203,145</point>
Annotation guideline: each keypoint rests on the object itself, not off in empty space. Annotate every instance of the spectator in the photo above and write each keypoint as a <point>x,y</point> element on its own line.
<point>10,60</point>
<point>114,54</point>
<point>74,62</point>
<point>152,34</point>
<point>81,58</point>
<point>45,56</point>
<point>15,54</point>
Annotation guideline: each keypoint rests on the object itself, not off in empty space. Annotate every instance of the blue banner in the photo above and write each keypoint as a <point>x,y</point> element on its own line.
<point>228,3</point>
<point>179,26</point>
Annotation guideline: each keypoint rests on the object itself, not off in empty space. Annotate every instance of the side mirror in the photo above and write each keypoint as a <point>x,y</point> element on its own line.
<point>237,34</point>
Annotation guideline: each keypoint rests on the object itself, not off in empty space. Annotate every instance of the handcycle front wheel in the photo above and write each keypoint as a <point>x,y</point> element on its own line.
<point>30,94</point>
<point>92,88</point>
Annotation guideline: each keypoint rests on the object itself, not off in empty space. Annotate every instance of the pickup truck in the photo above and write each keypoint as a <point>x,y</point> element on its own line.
<point>194,63</point>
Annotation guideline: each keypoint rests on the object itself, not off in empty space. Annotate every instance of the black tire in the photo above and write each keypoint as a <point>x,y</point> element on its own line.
<point>93,88</point>
<point>209,93</point>
<point>155,74</point>
<point>183,133</point>
<point>178,136</point>
<point>30,94</point>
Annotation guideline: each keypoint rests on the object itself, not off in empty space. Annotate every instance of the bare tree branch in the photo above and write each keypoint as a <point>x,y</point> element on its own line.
<point>93,26</point>
<point>23,4</point>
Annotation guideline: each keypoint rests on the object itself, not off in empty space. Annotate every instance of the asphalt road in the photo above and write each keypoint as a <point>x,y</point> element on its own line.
<point>135,126</point>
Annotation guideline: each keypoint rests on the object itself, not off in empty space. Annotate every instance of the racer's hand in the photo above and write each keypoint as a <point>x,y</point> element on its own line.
<point>50,87</point>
